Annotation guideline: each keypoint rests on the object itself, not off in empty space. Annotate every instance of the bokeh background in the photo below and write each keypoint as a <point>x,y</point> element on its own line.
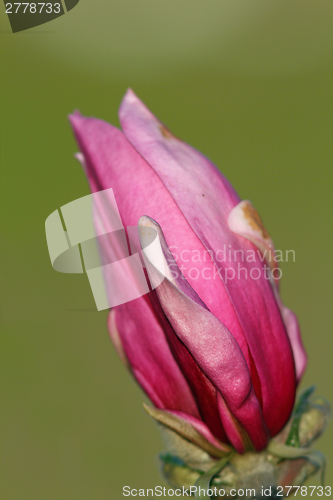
<point>249,83</point>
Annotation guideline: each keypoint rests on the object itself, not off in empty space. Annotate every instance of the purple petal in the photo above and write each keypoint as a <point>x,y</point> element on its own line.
<point>144,344</point>
<point>110,161</point>
<point>202,389</point>
<point>213,348</point>
<point>294,333</point>
<point>245,221</point>
<point>205,199</point>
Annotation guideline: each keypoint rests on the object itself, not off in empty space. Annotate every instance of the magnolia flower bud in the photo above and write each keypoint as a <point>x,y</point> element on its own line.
<point>211,343</point>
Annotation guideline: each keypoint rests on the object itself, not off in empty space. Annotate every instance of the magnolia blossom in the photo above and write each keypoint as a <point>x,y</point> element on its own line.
<point>215,350</point>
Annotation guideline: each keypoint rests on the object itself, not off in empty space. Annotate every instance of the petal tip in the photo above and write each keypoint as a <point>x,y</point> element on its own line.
<point>129,98</point>
<point>75,118</point>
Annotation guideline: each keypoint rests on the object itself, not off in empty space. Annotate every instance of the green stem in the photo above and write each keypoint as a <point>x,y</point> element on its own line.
<point>203,482</point>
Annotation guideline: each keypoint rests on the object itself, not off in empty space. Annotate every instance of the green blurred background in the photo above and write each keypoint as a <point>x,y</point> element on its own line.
<point>249,83</point>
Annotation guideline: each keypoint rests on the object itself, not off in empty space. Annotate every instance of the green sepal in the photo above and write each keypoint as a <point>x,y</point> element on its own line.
<point>177,473</point>
<point>187,431</point>
<point>300,408</point>
<point>314,421</point>
<point>205,479</point>
<point>285,451</point>
<point>317,459</point>
<point>314,457</point>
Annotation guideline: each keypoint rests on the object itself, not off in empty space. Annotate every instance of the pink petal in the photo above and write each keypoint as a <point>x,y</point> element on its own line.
<point>110,161</point>
<point>144,344</point>
<point>205,199</point>
<point>245,221</point>
<point>294,333</point>
<point>201,387</point>
<point>237,434</point>
<point>213,348</point>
